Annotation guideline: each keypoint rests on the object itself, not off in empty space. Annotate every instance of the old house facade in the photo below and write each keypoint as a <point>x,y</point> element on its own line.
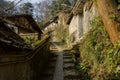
<point>89,12</point>
<point>17,58</point>
<point>24,25</point>
<point>79,19</point>
<point>11,43</point>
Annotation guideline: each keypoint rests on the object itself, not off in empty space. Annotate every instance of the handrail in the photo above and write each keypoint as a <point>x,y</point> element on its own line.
<point>24,57</point>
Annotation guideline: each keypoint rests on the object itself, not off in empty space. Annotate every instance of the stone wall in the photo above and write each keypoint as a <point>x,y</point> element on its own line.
<point>89,12</point>
<point>73,28</point>
<point>27,66</point>
<point>80,26</point>
<point>80,23</point>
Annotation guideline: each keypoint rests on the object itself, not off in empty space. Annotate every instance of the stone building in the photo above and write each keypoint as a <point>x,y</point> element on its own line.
<point>89,12</point>
<point>79,19</point>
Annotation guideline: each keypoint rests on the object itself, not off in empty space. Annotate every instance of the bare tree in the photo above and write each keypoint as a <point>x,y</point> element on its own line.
<point>8,7</point>
<point>42,10</point>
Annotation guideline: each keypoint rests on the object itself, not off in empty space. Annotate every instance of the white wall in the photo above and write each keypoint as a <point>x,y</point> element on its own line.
<point>93,11</point>
<point>80,24</point>
<point>73,25</point>
<point>86,19</point>
<point>75,28</point>
<point>88,15</point>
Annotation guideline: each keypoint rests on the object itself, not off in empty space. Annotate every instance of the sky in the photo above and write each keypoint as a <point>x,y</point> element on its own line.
<point>32,1</point>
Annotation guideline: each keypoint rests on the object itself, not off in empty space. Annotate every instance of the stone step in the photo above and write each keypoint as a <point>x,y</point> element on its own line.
<point>71,74</point>
<point>67,57</point>
<point>66,60</point>
<point>66,54</point>
<point>66,51</point>
<point>72,79</point>
<point>68,65</point>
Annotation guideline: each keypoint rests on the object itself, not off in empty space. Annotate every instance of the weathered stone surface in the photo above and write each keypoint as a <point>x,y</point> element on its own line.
<point>89,13</point>
<point>69,65</point>
<point>67,57</point>
<point>68,60</point>
<point>58,75</point>
<point>71,72</point>
<point>80,23</point>
<point>66,54</point>
<point>75,28</point>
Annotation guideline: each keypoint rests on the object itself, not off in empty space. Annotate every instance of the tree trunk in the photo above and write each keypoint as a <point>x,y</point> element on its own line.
<point>106,9</point>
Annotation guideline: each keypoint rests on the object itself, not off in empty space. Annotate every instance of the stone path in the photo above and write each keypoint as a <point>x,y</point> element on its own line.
<point>61,66</point>
<point>58,75</point>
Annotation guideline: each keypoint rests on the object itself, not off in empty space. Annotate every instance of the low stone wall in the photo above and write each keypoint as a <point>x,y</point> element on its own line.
<point>27,66</point>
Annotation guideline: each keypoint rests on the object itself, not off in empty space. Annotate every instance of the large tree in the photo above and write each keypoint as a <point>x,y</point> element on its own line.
<point>109,14</point>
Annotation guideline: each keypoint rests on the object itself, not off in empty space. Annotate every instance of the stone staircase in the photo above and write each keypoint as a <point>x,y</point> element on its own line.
<point>69,67</point>
<point>69,72</point>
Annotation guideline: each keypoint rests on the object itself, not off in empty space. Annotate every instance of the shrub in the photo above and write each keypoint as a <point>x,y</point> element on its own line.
<point>97,51</point>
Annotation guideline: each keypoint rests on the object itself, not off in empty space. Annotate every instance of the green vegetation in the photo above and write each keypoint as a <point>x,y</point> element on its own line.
<point>30,40</point>
<point>118,7</point>
<point>83,70</point>
<point>61,33</point>
<point>61,6</point>
<point>101,58</point>
<point>38,42</point>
